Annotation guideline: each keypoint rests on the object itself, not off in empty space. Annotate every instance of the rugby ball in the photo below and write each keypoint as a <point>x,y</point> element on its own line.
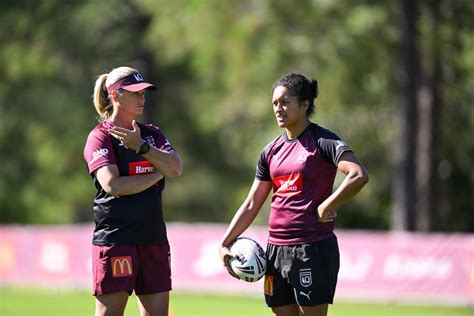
<point>250,261</point>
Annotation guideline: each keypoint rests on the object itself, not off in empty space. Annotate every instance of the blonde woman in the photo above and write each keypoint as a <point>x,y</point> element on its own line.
<point>128,162</point>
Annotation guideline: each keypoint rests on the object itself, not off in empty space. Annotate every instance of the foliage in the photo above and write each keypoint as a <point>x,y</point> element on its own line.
<point>214,63</point>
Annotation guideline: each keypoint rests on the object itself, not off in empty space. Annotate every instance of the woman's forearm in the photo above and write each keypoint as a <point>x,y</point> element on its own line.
<point>128,185</point>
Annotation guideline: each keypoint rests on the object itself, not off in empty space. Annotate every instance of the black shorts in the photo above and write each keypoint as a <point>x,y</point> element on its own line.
<point>302,274</point>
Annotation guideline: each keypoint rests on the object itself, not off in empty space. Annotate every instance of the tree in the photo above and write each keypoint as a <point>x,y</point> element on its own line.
<point>404,187</point>
<point>429,109</point>
<point>214,63</point>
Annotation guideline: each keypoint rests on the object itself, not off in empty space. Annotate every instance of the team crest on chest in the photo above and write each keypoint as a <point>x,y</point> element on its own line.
<point>303,154</point>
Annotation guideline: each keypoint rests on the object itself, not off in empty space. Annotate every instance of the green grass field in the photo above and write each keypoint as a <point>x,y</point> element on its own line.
<point>25,302</point>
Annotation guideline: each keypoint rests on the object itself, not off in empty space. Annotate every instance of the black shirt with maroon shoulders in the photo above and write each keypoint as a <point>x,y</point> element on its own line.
<point>135,219</point>
<point>302,172</point>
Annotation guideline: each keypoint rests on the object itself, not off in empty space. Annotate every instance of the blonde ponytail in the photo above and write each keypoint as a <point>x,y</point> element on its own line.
<point>101,98</point>
<point>102,103</point>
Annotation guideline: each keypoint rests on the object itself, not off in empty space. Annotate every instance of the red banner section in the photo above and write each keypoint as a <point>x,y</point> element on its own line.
<point>374,265</point>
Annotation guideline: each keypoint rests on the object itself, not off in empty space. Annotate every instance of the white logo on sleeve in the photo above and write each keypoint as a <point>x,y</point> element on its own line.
<point>340,144</point>
<point>166,145</point>
<point>102,152</point>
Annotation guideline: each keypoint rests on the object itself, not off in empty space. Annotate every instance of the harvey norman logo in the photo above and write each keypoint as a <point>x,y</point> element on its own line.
<point>288,184</point>
<point>140,167</point>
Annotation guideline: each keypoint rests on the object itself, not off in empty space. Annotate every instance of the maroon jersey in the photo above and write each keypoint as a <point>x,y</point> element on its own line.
<point>129,219</point>
<point>302,172</point>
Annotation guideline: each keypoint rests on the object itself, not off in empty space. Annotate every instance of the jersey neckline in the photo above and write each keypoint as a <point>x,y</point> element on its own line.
<point>285,136</point>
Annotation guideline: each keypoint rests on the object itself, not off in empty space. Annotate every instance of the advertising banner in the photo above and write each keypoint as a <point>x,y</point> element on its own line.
<point>413,267</point>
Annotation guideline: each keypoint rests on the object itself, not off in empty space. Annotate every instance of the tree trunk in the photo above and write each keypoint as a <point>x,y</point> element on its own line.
<point>404,188</point>
<point>428,128</point>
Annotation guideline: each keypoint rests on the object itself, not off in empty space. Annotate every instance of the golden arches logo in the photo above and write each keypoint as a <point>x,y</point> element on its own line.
<point>124,265</point>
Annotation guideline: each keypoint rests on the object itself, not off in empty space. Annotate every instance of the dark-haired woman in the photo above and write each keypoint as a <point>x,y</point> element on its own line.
<point>299,166</point>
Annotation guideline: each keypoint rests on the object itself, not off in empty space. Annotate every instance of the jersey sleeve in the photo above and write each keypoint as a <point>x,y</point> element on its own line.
<point>98,150</point>
<point>160,140</point>
<point>332,147</point>
<point>263,170</point>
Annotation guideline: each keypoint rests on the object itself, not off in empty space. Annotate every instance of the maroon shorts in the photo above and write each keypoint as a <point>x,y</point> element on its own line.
<point>143,269</point>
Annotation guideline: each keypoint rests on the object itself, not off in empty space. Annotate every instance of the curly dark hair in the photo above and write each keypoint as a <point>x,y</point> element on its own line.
<point>301,87</point>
